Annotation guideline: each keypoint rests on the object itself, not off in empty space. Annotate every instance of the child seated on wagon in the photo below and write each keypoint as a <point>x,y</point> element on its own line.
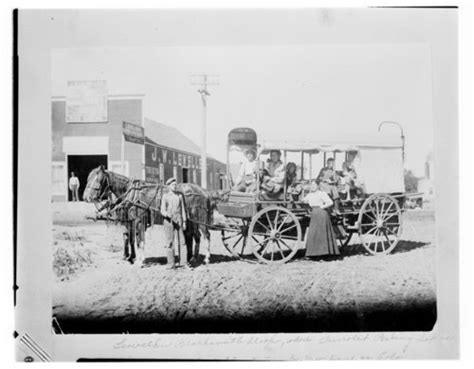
<point>349,185</point>
<point>273,178</point>
<point>246,180</point>
<point>294,188</point>
<point>328,180</point>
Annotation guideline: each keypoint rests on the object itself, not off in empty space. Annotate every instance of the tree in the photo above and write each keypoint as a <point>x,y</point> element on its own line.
<point>411,182</point>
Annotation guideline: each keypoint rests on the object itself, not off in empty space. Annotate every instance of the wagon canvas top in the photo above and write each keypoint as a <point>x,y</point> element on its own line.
<point>339,143</point>
<point>379,160</point>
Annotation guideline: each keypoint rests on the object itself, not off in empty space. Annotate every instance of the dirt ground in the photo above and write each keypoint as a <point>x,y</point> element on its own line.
<point>97,292</point>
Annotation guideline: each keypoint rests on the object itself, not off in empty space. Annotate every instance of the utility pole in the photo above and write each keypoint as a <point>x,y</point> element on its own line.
<point>204,80</point>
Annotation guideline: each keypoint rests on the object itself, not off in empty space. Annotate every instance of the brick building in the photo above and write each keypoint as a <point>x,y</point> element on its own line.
<point>168,153</point>
<point>83,144</point>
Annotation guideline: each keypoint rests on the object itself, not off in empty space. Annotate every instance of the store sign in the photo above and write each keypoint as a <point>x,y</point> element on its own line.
<point>133,133</point>
<point>155,155</point>
<point>86,102</point>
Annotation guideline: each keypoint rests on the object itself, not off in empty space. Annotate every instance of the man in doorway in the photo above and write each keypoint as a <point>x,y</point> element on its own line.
<point>74,187</point>
<point>174,215</point>
<point>328,179</point>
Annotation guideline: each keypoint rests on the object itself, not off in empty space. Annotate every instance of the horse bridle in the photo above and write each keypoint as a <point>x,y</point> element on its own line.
<point>102,194</point>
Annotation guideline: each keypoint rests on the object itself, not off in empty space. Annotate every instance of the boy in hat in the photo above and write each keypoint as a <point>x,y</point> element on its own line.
<point>174,214</point>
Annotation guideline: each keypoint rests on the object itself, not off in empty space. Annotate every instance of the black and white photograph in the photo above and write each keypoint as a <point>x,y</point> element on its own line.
<point>238,181</point>
<point>272,195</point>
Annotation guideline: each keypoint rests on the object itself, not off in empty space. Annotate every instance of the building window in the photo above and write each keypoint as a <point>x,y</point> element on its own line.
<point>117,167</point>
<point>185,173</point>
<point>59,179</point>
<point>175,172</point>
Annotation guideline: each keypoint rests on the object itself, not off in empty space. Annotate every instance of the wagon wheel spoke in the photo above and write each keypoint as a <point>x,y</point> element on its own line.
<point>276,219</point>
<point>265,238</point>
<point>393,233</point>
<point>262,242</point>
<point>370,231</point>
<point>370,216</point>
<point>290,238</point>
<point>264,226</point>
<point>377,207</point>
<point>383,204</point>
<point>282,223</point>
<point>232,236</point>
<point>280,249</point>
<point>376,244</point>
<point>286,245</point>
<point>384,216</point>
<point>381,240</point>
<point>262,245</point>
<point>254,238</point>
<point>386,236</point>
<point>269,221</point>
<point>287,229</point>
<point>262,252</point>
<point>238,240</point>
<point>260,234</point>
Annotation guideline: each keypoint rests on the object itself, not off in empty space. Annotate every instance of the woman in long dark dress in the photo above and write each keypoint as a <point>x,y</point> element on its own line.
<point>321,239</point>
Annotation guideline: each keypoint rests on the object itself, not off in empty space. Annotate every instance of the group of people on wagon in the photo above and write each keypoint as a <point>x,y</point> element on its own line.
<point>322,194</point>
<point>275,176</point>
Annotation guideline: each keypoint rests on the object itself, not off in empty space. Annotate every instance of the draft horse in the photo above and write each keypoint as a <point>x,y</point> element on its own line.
<point>136,205</point>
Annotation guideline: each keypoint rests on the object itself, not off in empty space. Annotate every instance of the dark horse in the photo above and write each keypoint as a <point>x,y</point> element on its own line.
<point>137,204</point>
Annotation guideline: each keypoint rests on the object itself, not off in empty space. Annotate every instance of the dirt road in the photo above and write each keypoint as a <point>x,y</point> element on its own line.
<point>356,292</point>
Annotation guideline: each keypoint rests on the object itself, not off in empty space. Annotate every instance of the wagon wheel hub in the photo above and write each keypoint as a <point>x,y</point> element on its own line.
<point>380,223</point>
<point>275,235</point>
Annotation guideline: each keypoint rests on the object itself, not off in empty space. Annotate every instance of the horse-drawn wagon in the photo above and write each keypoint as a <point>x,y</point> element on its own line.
<point>273,228</point>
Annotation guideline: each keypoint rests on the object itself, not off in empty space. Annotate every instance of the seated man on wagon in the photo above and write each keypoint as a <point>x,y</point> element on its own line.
<point>274,175</point>
<point>328,180</point>
<point>247,178</point>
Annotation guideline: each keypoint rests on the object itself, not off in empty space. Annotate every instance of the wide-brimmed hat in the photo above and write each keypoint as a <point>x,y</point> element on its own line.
<point>171,180</point>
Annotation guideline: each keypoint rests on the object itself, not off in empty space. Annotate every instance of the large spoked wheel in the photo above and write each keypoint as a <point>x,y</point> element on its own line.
<point>234,238</point>
<point>275,235</point>
<point>380,224</point>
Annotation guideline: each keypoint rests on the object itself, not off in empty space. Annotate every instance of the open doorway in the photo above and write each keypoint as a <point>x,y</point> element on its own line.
<point>82,165</point>
<point>185,175</point>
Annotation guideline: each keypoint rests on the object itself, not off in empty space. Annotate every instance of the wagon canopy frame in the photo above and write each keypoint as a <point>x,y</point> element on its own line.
<point>378,158</point>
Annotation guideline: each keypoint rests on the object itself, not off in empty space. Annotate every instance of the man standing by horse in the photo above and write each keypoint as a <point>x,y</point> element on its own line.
<point>174,214</point>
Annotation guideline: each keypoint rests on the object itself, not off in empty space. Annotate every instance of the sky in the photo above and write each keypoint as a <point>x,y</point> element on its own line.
<point>297,91</point>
